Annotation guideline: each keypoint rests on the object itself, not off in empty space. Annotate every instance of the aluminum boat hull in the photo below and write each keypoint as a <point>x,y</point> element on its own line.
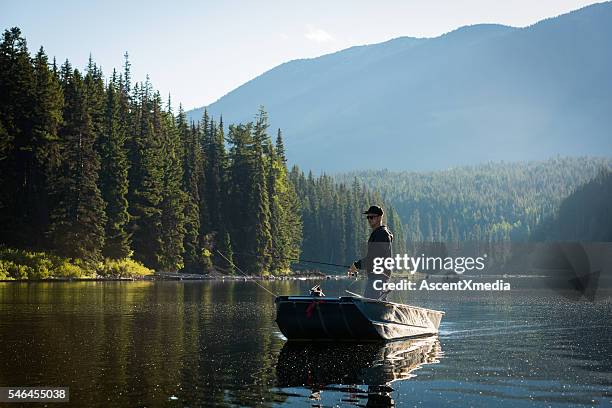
<point>351,318</point>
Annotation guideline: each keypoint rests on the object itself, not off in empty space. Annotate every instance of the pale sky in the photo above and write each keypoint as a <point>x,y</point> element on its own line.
<point>200,50</point>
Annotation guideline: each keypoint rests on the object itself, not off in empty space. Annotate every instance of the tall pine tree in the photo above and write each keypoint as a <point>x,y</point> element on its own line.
<point>192,163</point>
<point>146,178</point>
<point>173,197</point>
<point>260,204</point>
<point>114,172</point>
<point>78,219</point>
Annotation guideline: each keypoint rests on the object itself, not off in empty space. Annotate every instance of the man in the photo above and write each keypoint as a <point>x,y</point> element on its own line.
<point>379,245</point>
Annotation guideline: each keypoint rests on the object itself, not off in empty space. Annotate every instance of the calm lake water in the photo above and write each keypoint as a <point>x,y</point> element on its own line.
<point>188,344</point>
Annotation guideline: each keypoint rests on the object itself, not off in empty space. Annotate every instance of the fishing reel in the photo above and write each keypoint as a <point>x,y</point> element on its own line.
<point>316,291</point>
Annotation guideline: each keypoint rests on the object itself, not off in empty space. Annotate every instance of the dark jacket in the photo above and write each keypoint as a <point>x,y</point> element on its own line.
<point>379,245</point>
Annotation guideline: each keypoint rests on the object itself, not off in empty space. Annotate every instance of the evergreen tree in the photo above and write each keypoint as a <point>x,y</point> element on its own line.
<point>242,223</point>
<point>78,219</point>
<point>285,214</point>
<point>216,177</point>
<point>96,98</point>
<point>395,225</point>
<point>173,197</point>
<point>146,179</point>
<point>205,223</point>
<point>280,147</point>
<point>285,211</point>
<point>46,120</point>
<point>114,172</point>
<point>18,147</point>
<point>192,163</point>
<point>278,262</point>
<point>215,169</point>
<point>260,205</point>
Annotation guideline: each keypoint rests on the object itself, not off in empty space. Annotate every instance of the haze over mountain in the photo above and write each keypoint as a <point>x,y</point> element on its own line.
<point>479,93</point>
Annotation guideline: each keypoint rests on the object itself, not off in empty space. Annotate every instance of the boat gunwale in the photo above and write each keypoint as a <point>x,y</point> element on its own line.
<point>352,300</point>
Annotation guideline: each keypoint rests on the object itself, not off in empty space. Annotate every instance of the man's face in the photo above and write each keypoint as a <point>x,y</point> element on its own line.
<point>373,219</point>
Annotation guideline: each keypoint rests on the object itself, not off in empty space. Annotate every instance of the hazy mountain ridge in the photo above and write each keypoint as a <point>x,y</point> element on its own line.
<point>479,93</point>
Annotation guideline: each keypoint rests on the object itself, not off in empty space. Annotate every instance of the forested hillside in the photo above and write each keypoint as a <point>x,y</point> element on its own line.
<point>335,230</point>
<point>495,201</point>
<point>95,168</point>
<point>586,215</point>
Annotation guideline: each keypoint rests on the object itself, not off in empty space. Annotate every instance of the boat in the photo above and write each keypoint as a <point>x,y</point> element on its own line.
<point>352,318</point>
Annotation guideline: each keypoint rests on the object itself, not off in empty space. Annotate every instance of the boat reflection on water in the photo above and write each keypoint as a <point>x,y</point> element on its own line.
<point>348,367</point>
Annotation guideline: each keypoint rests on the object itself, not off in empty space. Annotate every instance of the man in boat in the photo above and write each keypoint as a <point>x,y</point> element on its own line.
<point>379,245</point>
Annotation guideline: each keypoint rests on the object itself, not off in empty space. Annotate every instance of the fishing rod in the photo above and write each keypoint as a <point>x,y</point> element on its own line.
<point>295,259</point>
<point>263,287</point>
<point>242,272</point>
<point>286,258</point>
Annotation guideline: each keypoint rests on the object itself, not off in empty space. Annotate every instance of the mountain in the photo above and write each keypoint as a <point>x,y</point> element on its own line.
<point>479,93</point>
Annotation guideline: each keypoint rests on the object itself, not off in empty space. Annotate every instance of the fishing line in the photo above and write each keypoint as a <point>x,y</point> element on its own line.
<point>240,270</point>
<point>295,259</point>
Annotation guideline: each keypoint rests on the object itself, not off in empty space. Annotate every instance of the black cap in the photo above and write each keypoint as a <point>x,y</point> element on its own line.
<point>374,210</point>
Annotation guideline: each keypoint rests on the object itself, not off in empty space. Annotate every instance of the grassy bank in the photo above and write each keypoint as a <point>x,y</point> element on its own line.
<point>24,265</point>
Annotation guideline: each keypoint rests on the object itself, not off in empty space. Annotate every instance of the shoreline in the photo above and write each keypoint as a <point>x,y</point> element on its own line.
<point>166,276</point>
